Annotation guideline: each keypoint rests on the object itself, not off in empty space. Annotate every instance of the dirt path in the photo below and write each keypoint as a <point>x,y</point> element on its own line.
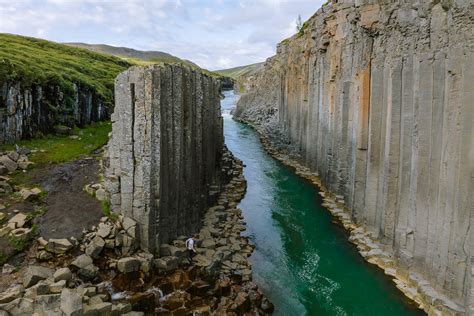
<point>69,208</point>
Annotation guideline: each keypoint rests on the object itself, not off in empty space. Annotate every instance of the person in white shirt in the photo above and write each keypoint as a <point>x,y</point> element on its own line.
<point>190,249</point>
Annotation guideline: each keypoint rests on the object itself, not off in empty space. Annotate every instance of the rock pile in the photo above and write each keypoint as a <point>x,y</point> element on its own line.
<point>111,276</point>
<point>13,160</point>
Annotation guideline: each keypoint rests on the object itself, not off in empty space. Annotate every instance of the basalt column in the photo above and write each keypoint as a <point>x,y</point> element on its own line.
<point>165,150</point>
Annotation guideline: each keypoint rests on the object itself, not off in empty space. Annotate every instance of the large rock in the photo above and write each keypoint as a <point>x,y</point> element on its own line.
<point>11,294</point>
<point>34,274</point>
<point>71,302</point>
<point>30,194</point>
<point>8,163</point>
<point>19,220</point>
<point>99,309</point>
<point>82,261</point>
<point>129,264</point>
<point>19,306</point>
<point>62,274</point>
<point>94,248</point>
<point>59,246</point>
<point>88,273</point>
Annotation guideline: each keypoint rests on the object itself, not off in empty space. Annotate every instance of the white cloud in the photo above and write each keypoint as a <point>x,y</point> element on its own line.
<point>212,33</point>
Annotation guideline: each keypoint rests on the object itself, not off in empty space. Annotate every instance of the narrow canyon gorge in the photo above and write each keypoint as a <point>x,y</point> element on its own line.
<point>376,98</point>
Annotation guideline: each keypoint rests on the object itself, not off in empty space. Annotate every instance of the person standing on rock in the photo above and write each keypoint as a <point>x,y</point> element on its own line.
<point>190,249</point>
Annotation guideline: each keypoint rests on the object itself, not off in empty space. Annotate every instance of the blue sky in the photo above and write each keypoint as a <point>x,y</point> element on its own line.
<point>213,33</point>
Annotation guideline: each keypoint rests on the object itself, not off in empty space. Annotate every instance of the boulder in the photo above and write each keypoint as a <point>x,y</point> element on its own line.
<point>129,264</point>
<point>94,248</point>
<point>88,273</point>
<point>59,246</point>
<point>170,250</point>
<point>11,294</point>
<point>62,274</point>
<point>57,287</point>
<point>208,243</point>
<point>13,155</point>
<point>82,261</point>
<point>43,255</point>
<point>34,274</point>
<point>8,163</point>
<point>23,151</point>
<point>71,302</point>
<point>104,230</point>
<point>41,288</point>
<point>21,233</point>
<point>19,306</point>
<point>19,220</point>
<point>103,308</point>
<point>30,195</point>
<point>166,263</point>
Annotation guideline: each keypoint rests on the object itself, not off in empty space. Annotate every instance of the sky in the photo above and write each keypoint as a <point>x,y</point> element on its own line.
<point>215,34</point>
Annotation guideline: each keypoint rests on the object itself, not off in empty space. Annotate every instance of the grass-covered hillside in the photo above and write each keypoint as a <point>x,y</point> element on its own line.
<point>36,61</point>
<point>133,55</point>
<point>237,72</point>
<point>140,57</point>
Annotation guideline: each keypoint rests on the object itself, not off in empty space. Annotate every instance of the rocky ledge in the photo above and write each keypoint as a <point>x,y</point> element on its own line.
<point>105,273</point>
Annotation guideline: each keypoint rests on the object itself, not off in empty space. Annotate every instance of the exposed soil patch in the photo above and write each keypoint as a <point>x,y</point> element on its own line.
<point>70,209</point>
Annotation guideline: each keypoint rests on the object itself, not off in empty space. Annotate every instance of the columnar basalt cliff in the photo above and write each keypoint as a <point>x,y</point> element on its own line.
<point>165,150</point>
<point>377,98</point>
<point>30,110</point>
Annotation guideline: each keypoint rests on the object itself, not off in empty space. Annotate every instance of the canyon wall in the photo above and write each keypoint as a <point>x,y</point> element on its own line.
<point>377,97</point>
<point>165,152</point>
<point>31,110</point>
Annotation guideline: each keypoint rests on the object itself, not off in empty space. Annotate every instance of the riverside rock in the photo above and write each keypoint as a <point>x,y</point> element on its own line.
<point>34,274</point>
<point>373,97</point>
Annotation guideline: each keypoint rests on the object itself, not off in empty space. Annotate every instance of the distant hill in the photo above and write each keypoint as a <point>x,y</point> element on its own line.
<point>133,55</point>
<point>236,72</point>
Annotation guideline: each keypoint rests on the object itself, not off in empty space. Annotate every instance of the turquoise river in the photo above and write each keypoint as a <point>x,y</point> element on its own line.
<point>303,262</point>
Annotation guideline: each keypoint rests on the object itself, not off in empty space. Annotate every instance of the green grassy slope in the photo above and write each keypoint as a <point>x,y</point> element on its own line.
<point>36,61</point>
<point>132,55</point>
<point>236,72</point>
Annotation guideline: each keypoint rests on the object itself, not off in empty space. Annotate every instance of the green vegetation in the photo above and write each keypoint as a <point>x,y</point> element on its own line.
<point>18,243</point>
<point>236,72</point>
<point>106,210</point>
<point>39,211</point>
<point>302,28</point>
<point>63,148</point>
<point>36,61</point>
<point>140,58</point>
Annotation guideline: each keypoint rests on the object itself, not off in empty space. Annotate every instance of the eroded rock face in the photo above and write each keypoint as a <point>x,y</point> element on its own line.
<point>376,97</point>
<point>165,150</point>
<point>29,110</point>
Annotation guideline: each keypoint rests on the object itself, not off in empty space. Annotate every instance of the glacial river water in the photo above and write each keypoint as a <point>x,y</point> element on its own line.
<point>303,262</point>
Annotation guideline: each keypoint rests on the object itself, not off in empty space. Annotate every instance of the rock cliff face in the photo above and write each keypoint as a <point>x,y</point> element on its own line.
<point>26,111</point>
<point>165,150</point>
<point>377,97</point>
